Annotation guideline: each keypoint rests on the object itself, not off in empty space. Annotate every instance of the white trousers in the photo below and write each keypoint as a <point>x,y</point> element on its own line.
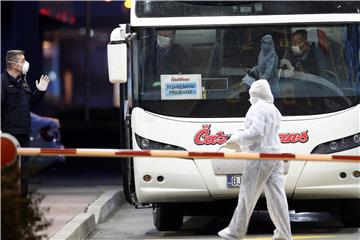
<point>258,176</point>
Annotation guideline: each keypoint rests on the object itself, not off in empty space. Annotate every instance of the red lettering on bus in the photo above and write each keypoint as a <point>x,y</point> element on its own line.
<point>204,137</point>
<point>302,137</point>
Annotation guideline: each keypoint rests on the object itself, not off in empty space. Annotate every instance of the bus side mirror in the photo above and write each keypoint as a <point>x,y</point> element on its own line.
<point>117,56</point>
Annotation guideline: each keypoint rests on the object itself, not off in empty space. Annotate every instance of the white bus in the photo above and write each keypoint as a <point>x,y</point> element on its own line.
<point>182,68</point>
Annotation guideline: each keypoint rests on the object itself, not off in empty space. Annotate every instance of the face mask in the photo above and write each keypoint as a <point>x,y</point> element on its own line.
<point>296,49</point>
<point>163,42</point>
<point>266,47</point>
<point>25,67</point>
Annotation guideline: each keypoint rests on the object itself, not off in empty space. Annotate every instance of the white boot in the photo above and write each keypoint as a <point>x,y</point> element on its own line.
<point>225,233</point>
<point>278,236</point>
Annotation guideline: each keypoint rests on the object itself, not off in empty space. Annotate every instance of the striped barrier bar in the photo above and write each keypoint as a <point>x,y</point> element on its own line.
<point>123,153</point>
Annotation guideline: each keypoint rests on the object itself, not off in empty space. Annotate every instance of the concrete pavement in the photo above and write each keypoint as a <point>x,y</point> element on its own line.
<point>77,199</point>
<point>65,203</point>
<point>130,223</point>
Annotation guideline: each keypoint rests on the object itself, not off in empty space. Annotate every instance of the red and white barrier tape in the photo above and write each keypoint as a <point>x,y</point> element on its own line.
<point>89,152</point>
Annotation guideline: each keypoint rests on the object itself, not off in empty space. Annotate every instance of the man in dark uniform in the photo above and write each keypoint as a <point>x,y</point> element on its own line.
<point>304,57</point>
<point>17,97</point>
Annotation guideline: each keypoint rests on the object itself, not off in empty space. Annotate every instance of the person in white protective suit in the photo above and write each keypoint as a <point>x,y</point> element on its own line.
<point>266,68</point>
<point>261,134</point>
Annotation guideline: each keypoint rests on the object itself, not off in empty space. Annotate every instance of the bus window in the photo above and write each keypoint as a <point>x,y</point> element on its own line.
<point>316,66</point>
<point>318,76</point>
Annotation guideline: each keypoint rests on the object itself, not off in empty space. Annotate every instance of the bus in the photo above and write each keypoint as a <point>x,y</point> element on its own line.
<point>184,68</point>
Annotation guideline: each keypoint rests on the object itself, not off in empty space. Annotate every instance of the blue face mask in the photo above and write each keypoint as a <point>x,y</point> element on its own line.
<point>266,46</point>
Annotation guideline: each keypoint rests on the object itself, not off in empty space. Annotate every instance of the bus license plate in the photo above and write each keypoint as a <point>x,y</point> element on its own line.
<point>233,181</point>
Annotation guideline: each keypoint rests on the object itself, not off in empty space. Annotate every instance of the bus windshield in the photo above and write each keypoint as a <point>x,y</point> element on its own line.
<point>206,72</point>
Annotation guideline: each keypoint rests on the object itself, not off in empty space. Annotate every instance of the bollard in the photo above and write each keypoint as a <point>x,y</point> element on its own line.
<point>10,160</point>
<point>9,146</point>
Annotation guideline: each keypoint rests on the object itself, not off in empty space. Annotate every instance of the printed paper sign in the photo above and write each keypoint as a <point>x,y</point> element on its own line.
<point>184,86</point>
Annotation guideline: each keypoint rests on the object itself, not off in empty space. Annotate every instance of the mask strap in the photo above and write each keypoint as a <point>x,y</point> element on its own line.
<point>14,62</point>
<point>300,44</point>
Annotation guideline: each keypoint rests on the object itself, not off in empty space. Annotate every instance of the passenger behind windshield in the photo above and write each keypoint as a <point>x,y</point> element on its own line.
<point>171,58</point>
<point>163,56</point>
<point>304,57</point>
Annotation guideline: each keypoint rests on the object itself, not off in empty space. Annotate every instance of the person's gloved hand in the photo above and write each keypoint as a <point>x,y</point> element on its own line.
<point>233,139</point>
<point>286,64</point>
<point>233,143</point>
<point>43,83</point>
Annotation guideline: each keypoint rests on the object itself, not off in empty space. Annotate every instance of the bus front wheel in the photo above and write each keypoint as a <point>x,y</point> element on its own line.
<point>168,217</point>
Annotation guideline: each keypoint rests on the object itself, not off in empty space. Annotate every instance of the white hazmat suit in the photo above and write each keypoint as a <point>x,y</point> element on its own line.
<point>267,65</point>
<point>261,134</point>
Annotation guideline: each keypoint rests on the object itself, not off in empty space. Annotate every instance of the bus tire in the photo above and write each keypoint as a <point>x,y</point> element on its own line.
<point>350,213</point>
<point>168,217</point>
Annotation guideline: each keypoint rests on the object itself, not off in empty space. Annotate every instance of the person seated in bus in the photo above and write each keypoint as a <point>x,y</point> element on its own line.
<point>171,58</point>
<point>162,56</point>
<point>266,68</point>
<point>304,57</point>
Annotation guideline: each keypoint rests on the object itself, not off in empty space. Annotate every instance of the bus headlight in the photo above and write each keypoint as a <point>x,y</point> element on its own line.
<point>168,147</point>
<point>144,143</point>
<point>333,146</point>
<point>338,145</point>
<point>148,144</point>
<point>357,138</point>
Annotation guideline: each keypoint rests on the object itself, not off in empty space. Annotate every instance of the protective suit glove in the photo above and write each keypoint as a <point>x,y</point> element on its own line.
<point>233,144</point>
<point>286,68</point>
<point>43,83</point>
<point>233,139</point>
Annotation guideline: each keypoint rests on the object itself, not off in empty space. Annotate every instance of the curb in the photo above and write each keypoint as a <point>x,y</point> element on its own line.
<point>104,205</point>
<point>83,224</point>
<point>77,228</point>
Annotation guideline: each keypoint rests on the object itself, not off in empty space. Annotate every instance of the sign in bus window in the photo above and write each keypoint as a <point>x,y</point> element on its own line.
<point>184,86</point>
